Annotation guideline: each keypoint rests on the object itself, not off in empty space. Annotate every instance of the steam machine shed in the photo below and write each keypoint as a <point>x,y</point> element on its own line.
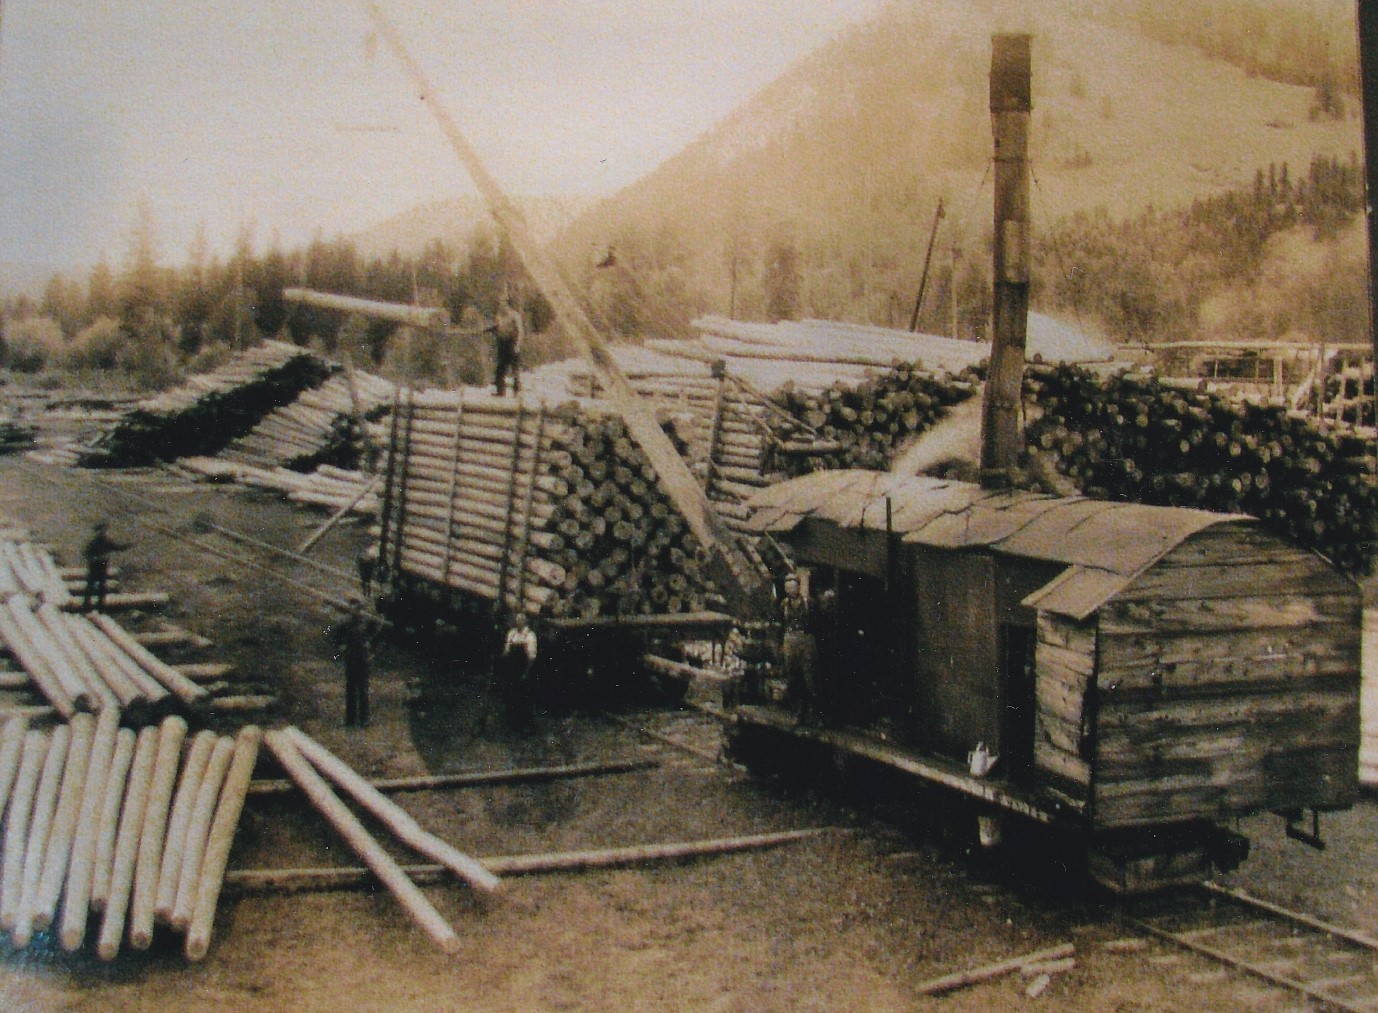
<point>1130,664</point>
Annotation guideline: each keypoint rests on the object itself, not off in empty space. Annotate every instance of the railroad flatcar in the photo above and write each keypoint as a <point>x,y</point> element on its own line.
<point>1140,675</point>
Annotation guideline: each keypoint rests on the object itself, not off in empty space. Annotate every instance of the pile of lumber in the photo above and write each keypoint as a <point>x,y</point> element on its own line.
<point>111,832</point>
<point>210,410</point>
<point>327,486</point>
<point>546,511</point>
<point>1133,437</point>
<point>871,421</point>
<point>89,663</point>
<point>318,427</point>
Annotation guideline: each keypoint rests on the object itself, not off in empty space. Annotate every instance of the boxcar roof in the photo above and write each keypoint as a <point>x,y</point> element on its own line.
<point>1105,544</point>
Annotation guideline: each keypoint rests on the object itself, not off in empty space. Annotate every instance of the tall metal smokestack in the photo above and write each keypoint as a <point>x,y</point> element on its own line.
<point>1010,106</point>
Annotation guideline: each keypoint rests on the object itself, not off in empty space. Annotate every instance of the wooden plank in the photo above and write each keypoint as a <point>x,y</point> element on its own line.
<point>1221,614</point>
<point>1310,575</point>
<point>1302,707</point>
<point>1122,654</point>
<point>1241,672</point>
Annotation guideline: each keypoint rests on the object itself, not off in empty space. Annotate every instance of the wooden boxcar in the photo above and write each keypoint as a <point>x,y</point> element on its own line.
<point>1134,667</point>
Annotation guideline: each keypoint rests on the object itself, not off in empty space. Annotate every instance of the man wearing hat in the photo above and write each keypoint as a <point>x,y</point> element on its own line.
<point>798,649</point>
<point>97,552</point>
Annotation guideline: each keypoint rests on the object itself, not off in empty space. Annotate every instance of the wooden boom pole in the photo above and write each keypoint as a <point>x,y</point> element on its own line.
<point>736,575</point>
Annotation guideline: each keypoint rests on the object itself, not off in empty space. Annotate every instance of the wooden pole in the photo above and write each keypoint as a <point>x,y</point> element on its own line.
<point>11,749</point>
<point>199,826</point>
<point>393,816</point>
<point>60,838</point>
<point>116,787</point>
<point>337,516</point>
<point>521,865</point>
<point>188,788</point>
<point>31,762</point>
<point>171,734</point>
<point>961,979</point>
<point>434,782</point>
<point>40,822</point>
<point>218,841</point>
<point>347,824</point>
<point>192,696</point>
<point>76,902</point>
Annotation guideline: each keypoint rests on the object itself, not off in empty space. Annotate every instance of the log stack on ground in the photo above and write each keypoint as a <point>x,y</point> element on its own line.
<point>551,511</point>
<point>203,415</point>
<point>101,824</point>
<point>316,428</point>
<point>328,486</point>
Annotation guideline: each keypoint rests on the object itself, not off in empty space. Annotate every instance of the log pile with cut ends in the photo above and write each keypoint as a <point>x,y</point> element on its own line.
<point>116,830</point>
<point>1132,437</point>
<point>552,511</point>
<point>210,410</point>
<point>872,420</point>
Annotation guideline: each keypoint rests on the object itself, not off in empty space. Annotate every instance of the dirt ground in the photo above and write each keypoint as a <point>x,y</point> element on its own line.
<point>853,919</point>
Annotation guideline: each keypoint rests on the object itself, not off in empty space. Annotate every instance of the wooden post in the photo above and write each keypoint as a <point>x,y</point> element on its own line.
<point>358,838</point>
<point>171,734</point>
<point>188,787</point>
<point>501,601</point>
<point>40,822</point>
<point>199,826</point>
<point>64,827</point>
<point>31,762</point>
<point>221,835</point>
<point>454,486</point>
<point>390,471</point>
<point>527,506</point>
<point>1010,105</point>
<point>76,901</point>
<point>398,820</point>
<point>402,484</point>
<point>116,784</point>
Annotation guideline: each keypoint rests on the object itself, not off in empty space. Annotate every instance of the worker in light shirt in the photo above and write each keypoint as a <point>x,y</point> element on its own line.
<point>515,663</point>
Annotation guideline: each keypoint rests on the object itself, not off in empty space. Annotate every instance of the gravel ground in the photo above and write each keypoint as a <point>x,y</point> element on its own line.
<point>851,920</point>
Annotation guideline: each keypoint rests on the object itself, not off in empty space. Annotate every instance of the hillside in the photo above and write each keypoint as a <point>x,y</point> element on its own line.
<point>827,180</point>
<point>453,221</point>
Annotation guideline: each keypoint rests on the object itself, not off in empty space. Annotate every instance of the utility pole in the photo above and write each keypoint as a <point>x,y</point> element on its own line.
<point>927,259</point>
<point>1011,103</point>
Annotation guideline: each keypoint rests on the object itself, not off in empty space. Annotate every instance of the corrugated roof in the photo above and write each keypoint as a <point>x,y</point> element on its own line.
<point>1106,544</point>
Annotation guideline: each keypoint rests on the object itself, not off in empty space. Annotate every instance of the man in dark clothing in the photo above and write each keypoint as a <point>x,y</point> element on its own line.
<point>97,552</point>
<point>355,636</point>
<point>508,331</point>
<point>367,563</point>
<point>798,650</point>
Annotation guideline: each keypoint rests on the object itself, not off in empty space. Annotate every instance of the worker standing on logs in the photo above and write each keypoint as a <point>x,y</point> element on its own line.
<point>355,636</point>
<point>798,650</point>
<point>97,552</point>
<point>515,665</point>
<point>508,331</point>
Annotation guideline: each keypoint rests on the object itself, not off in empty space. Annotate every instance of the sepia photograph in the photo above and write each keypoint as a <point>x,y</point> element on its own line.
<point>750,506</point>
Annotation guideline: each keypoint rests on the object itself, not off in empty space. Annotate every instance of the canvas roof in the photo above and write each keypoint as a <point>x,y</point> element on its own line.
<point>1104,544</point>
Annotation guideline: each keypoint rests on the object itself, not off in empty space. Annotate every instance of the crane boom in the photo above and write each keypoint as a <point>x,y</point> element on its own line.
<point>736,575</point>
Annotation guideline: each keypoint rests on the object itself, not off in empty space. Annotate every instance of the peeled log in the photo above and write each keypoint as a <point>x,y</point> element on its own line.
<point>31,762</point>
<point>369,851</point>
<point>393,816</point>
<point>43,677</point>
<point>198,828</point>
<point>11,749</point>
<point>40,822</point>
<point>76,903</point>
<point>171,734</point>
<point>64,828</point>
<point>189,784</point>
<point>191,695</point>
<point>115,785</point>
<point>221,835</point>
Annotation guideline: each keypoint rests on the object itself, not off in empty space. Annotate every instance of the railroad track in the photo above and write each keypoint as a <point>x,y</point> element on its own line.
<point>1324,962</point>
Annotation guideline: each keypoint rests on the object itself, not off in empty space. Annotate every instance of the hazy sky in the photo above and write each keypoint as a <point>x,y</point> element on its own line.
<point>231,111</point>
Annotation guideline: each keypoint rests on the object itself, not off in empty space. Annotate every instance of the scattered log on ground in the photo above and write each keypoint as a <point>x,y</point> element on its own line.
<point>40,822</point>
<point>62,834</point>
<point>516,775</point>
<point>361,842</point>
<point>961,979</point>
<point>198,832</point>
<point>76,898</point>
<point>17,821</point>
<point>171,734</point>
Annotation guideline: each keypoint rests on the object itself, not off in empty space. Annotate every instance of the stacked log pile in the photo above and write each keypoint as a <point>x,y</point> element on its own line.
<point>118,830</point>
<point>1135,438</point>
<point>317,428</point>
<point>870,421</point>
<point>547,511</point>
<point>210,410</point>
